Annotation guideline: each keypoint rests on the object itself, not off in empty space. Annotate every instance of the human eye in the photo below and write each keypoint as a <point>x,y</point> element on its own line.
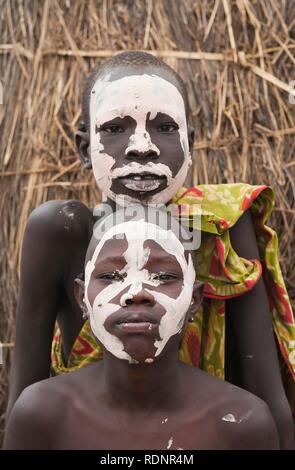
<point>168,127</point>
<point>113,276</point>
<point>163,277</point>
<point>111,129</point>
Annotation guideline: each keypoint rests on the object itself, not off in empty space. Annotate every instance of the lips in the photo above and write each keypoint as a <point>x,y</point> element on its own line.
<point>142,181</point>
<point>136,323</point>
<point>135,318</point>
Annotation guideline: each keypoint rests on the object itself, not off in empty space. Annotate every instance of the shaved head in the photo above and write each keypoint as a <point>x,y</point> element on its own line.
<point>131,63</point>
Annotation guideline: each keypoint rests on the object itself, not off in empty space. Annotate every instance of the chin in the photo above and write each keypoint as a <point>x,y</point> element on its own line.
<point>139,353</point>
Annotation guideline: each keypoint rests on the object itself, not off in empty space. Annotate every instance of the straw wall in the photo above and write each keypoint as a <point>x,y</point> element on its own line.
<point>237,58</point>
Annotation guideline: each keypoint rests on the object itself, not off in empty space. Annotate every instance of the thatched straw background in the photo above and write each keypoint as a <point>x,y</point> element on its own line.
<point>237,58</point>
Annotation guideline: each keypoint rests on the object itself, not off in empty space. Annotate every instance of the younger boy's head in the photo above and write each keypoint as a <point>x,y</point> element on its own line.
<point>135,109</point>
<point>140,287</point>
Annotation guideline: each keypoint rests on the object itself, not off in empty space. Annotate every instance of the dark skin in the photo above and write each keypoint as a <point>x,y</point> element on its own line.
<point>116,405</point>
<point>54,248</point>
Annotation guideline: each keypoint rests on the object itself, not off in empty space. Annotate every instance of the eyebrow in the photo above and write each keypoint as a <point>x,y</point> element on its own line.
<point>160,116</point>
<point>111,259</point>
<point>168,259</point>
<point>153,258</point>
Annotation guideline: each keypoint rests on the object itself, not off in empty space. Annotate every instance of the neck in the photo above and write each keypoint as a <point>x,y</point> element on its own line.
<point>142,386</point>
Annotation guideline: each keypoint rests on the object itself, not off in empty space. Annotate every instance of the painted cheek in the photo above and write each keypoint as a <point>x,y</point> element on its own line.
<point>92,290</point>
<point>172,289</point>
<point>172,153</point>
<point>115,145</point>
<point>116,299</point>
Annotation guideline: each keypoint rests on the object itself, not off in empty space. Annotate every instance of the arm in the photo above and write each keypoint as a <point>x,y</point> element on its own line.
<point>40,289</point>
<point>251,322</point>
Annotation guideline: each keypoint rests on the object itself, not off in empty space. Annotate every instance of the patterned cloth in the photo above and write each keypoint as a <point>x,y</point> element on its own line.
<point>225,275</point>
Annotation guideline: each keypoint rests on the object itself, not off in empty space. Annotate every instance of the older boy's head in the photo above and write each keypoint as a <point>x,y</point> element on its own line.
<point>140,285</point>
<point>135,109</point>
<point>128,63</point>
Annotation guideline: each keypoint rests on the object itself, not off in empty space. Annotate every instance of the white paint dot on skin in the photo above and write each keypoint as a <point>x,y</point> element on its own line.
<point>230,418</point>
<point>133,361</point>
<point>249,356</point>
<point>67,211</point>
<point>170,442</point>
<point>164,420</point>
<point>149,360</point>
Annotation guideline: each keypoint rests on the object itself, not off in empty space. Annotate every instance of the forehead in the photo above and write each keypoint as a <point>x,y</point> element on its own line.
<point>136,95</point>
<point>111,255</point>
<point>139,235</point>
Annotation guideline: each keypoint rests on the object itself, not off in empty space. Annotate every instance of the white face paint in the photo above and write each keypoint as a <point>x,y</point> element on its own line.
<point>136,96</point>
<point>136,256</point>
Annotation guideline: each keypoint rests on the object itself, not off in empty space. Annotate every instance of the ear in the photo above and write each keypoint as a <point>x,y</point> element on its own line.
<point>197,299</point>
<point>82,141</point>
<point>79,291</point>
<point>191,138</point>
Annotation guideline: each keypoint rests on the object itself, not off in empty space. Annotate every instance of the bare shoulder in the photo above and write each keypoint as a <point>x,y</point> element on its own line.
<point>43,409</point>
<point>53,231</point>
<point>58,218</point>
<point>248,423</point>
<point>235,418</point>
<point>32,420</point>
<point>243,420</point>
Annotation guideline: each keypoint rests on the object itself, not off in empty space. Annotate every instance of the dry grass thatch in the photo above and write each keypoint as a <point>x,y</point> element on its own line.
<point>237,57</point>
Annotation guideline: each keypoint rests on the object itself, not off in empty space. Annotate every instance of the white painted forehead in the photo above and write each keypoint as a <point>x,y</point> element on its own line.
<point>141,230</point>
<point>136,94</point>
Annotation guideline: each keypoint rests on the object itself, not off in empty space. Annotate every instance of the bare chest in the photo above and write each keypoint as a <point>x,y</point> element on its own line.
<point>161,432</point>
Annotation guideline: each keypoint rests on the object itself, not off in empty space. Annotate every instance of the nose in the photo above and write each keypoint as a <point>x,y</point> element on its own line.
<point>148,154</point>
<point>142,297</point>
<point>141,146</point>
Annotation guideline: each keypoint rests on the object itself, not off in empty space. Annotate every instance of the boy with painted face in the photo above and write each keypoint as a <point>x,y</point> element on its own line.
<point>139,138</point>
<point>136,139</point>
<point>139,293</point>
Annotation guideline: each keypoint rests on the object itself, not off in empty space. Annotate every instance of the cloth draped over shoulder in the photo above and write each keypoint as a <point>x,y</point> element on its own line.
<point>225,275</point>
